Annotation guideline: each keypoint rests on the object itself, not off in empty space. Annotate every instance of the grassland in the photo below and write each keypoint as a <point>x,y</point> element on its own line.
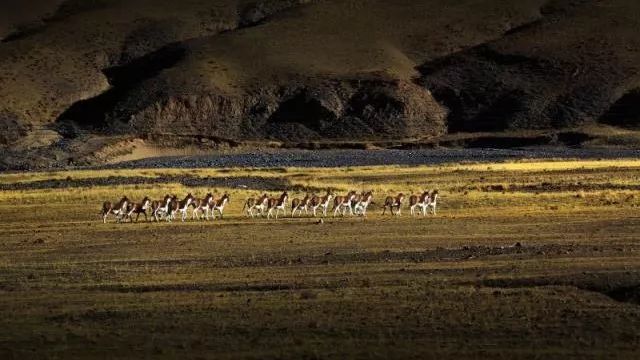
<point>535,259</point>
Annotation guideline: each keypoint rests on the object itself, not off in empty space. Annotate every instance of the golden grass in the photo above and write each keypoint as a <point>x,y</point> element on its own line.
<point>519,165</point>
<point>454,285</point>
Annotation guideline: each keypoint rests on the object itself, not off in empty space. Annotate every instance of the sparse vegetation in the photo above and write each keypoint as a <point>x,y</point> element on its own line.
<point>525,269</point>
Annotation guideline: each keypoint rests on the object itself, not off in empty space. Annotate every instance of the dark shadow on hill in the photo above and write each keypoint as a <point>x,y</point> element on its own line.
<point>503,85</point>
<point>302,110</point>
<point>625,112</point>
<point>96,114</point>
<point>486,91</point>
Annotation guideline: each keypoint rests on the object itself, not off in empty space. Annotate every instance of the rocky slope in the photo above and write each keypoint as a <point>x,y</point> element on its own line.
<point>77,76</point>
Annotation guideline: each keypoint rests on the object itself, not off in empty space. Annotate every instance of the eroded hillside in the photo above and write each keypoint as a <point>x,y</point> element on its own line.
<point>86,75</point>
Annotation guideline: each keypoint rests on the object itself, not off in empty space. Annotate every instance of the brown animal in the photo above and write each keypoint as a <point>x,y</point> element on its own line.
<point>357,198</point>
<point>362,202</point>
<point>321,202</point>
<point>419,201</point>
<point>218,205</point>
<point>314,202</point>
<point>433,201</point>
<point>139,208</point>
<point>181,206</point>
<point>299,205</point>
<point>249,205</point>
<point>118,209</point>
<point>278,205</point>
<point>160,207</point>
<point>393,203</point>
<point>260,204</point>
<point>344,203</point>
<point>203,205</point>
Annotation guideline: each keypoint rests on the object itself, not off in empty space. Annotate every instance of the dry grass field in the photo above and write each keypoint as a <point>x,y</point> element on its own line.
<point>535,259</point>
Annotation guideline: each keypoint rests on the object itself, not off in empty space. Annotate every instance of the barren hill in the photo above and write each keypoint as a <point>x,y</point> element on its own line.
<point>84,80</point>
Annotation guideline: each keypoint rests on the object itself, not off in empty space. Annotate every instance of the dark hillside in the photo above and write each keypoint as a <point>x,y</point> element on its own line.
<point>80,80</point>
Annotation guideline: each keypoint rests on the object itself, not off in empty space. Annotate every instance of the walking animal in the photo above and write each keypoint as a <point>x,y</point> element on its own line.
<point>393,203</point>
<point>343,203</point>
<point>180,206</point>
<point>203,205</point>
<point>160,207</point>
<point>278,205</point>
<point>252,204</point>
<point>119,209</point>
<point>425,202</point>
<point>421,201</point>
<point>362,203</point>
<point>356,199</point>
<point>219,205</point>
<point>434,201</point>
<point>299,205</point>
<point>139,208</point>
<point>321,202</point>
<point>248,206</point>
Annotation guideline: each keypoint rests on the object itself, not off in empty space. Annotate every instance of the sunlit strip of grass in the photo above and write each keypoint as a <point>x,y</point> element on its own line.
<point>514,166</point>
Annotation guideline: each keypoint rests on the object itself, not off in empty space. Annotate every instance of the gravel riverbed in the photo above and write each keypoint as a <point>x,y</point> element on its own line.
<point>339,158</point>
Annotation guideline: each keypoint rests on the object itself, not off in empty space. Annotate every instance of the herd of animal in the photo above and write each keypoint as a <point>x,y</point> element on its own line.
<point>353,203</point>
<point>168,208</point>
